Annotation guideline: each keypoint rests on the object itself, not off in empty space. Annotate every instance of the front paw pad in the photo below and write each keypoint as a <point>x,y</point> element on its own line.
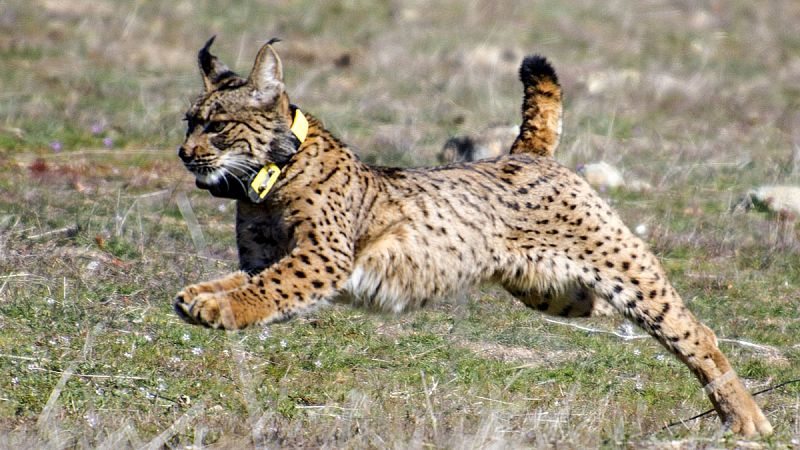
<point>209,310</point>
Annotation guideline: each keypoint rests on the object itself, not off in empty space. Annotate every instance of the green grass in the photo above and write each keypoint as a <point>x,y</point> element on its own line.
<point>93,245</point>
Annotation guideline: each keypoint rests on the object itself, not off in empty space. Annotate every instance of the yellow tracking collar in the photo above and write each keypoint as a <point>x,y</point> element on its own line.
<point>263,181</point>
<point>300,125</point>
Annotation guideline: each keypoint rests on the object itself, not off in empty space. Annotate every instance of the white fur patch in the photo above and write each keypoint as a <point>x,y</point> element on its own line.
<point>369,289</point>
<point>209,178</point>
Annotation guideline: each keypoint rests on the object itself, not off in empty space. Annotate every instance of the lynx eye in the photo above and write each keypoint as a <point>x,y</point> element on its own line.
<point>215,126</point>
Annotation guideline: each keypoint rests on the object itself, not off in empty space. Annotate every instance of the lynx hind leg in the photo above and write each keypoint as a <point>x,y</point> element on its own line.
<point>572,300</point>
<point>631,279</point>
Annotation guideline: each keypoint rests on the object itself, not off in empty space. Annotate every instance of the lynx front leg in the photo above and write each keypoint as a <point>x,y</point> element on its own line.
<point>226,283</point>
<point>312,273</point>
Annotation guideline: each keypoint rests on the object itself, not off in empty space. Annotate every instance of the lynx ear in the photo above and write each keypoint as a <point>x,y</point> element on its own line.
<point>267,71</point>
<point>212,69</point>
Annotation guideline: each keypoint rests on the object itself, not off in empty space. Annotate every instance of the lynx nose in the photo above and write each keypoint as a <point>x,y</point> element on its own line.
<point>184,154</point>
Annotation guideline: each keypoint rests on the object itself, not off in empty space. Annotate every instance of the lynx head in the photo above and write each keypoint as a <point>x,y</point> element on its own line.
<point>237,125</point>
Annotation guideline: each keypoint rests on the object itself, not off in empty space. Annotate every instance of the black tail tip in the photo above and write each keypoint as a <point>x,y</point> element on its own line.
<point>535,68</point>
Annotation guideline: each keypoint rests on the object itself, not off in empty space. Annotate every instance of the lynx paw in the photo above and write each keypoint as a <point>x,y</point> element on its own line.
<point>187,294</point>
<point>751,424</point>
<point>208,310</point>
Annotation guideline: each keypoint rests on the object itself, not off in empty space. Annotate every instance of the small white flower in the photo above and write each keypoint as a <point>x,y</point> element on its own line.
<point>175,359</point>
<point>148,338</point>
<point>264,335</point>
<point>15,381</point>
<point>100,391</point>
<point>636,352</point>
<point>91,419</point>
<point>161,387</point>
<point>318,363</point>
<point>226,352</point>
<point>640,229</point>
<point>50,301</point>
<point>660,357</point>
<point>197,351</point>
<point>283,343</point>
<point>186,337</point>
<point>128,355</point>
<point>626,328</point>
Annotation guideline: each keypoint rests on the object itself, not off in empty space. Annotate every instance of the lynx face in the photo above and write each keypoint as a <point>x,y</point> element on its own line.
<point>237,125</point>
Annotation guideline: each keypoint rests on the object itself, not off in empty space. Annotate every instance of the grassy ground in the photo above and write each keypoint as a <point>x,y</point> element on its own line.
<point>701,100</point>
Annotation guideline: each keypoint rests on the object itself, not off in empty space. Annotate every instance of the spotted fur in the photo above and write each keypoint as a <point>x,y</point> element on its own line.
<point>336,229</point>
<point>540,131</point>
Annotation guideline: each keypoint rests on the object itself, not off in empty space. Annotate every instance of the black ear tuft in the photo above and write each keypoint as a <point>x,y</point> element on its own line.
<point>273,40</point>
<point>535,68</point>
<point>212,69</point>
<point>204,56</point>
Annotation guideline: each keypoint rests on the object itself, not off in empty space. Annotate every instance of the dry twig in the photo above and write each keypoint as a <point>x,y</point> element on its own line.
<point>627,337</point>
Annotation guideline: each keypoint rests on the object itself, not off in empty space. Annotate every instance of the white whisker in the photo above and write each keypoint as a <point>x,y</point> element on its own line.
<point>225,170</point>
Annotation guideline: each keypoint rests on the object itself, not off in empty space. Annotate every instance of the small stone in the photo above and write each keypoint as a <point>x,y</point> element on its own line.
<point>781,200</point>
<point>602,174</point>
<point>490,142</point>
<point>637,185</point>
